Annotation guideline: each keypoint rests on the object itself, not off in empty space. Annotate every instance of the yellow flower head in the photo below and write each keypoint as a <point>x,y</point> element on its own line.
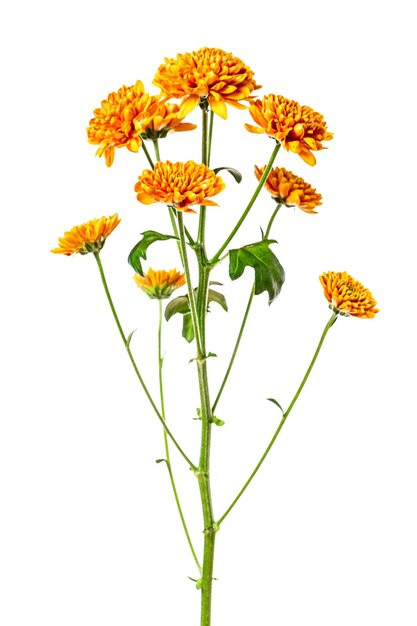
<point>181,185</point>
<point>347,296</point>
<point>160,284</point>
<point>289,189</point>
<point>121,120</point>
<point>207,75</point>
<point>89,237</point>
<point>165,119</point>
<point>298,128</point>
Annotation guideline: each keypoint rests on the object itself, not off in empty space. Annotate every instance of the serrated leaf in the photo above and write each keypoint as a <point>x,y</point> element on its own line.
<point>276,403</point>
<point>139,251</point>
<point>269,273</point>
<point>187,327</point>
<point>235,173</point>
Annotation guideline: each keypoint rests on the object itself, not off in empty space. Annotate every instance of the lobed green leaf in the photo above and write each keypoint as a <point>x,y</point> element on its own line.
<point>139,251</point>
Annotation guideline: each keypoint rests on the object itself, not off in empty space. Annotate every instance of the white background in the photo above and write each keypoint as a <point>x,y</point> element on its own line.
<point>88,530</point>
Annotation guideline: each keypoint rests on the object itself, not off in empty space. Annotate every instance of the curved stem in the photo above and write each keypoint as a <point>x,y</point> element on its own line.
<point>156,148</point>
<point>271,221</point>
<point>148,156</point>
<point>135,367</point>
<point>284,417</point>
<point>166,443</point>
<point>249,206</point>
<point>239,337</point>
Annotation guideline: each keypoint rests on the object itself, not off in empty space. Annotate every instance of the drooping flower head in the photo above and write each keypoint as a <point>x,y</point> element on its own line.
<point>160,284</point>
<point>298,128</point>
<point>89,237</point>
<point>209,74</point>
<point>180,185</point>
<point>121,119</point>
<point>166,119</point>
<point>289,189</point>
<point>348,296</point>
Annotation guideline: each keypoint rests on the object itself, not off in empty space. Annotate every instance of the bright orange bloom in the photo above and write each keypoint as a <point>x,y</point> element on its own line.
<point>289,189</point>
<point>89,237</point>
<point>209,74</point>
<point>298,128</point>
<point>165,119</point>
<point>347,296</point>
<point>181,185</point>
<point>160,284</point>
<point>121,120</point>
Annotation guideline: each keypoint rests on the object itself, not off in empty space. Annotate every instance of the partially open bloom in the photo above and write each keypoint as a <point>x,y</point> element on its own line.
<point>160,284</point>
<point>89,237</point>
<point>289,189</point>
<point>180,185</point>
<point>347,296</point>
<point>298,128</point>
<point>165,119</point>
<point>209,74</point>
<point>121,120</point>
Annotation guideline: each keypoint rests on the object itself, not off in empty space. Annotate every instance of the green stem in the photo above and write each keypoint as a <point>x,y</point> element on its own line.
<point>204,160</point>
<point>166,441</point>
<point>249,206</point>
<point>148,156</point>
<point>135,367</point>
<point>271,221</point>
<point>239,337</point>
<point>284,417</point>
<point>210,137</point>
<point>156,148</point>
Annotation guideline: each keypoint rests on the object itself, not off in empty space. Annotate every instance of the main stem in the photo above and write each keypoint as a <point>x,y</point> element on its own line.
<point>284,417</point>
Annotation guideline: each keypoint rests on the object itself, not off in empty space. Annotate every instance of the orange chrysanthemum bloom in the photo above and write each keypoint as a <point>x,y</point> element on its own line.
<point>160,284</point>
<point>207,75</point>
<point>89,237</point>
<point>121,120</point>
<point>180,185</point>
<point>347,296</point>
<point>165,119</point>
<point>288,189</point>
<point>298,128</point>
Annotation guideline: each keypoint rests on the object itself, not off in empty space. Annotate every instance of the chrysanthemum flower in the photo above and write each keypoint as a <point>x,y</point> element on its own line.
<point>289,189</point>
<point>160,284</point>
<point>347,296</point>
<point>165,119</point>
<point>89,237</point>
<point>180,185</point>
<point>209,74</point>
<point>298,128</point>
<point>121,120</point>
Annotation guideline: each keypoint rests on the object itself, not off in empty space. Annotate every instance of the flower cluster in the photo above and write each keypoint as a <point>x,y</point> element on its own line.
<point>298,128</point>
<point>348,296</point>
<point>209,74</point>
<point>160,284</point>
<point>288,189</point>
<point>89,237</point>
<point>180,185</point>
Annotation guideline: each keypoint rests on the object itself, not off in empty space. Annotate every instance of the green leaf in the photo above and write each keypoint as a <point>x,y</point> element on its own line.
<point>139,251</point>
<point>215,296</point>
<point>269,273</point>
<point>129,338</point>
<point>235,173</point>
<point>177,305</point>
<point>161,461</point>
<point>187,327</point>
<point>216,421</point>
<point>276,403</point>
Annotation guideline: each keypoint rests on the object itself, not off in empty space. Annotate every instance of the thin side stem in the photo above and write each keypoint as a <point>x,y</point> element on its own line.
<point>204,160</point>
<point>210,136</point>
<point>135,367</point>
<point>271,221</point>
<point>239,337</point>
<point>156,148</point>
<point>148,156</point>
<point>249,206</point>
<point>284,417</point>
<point>166,441</point>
